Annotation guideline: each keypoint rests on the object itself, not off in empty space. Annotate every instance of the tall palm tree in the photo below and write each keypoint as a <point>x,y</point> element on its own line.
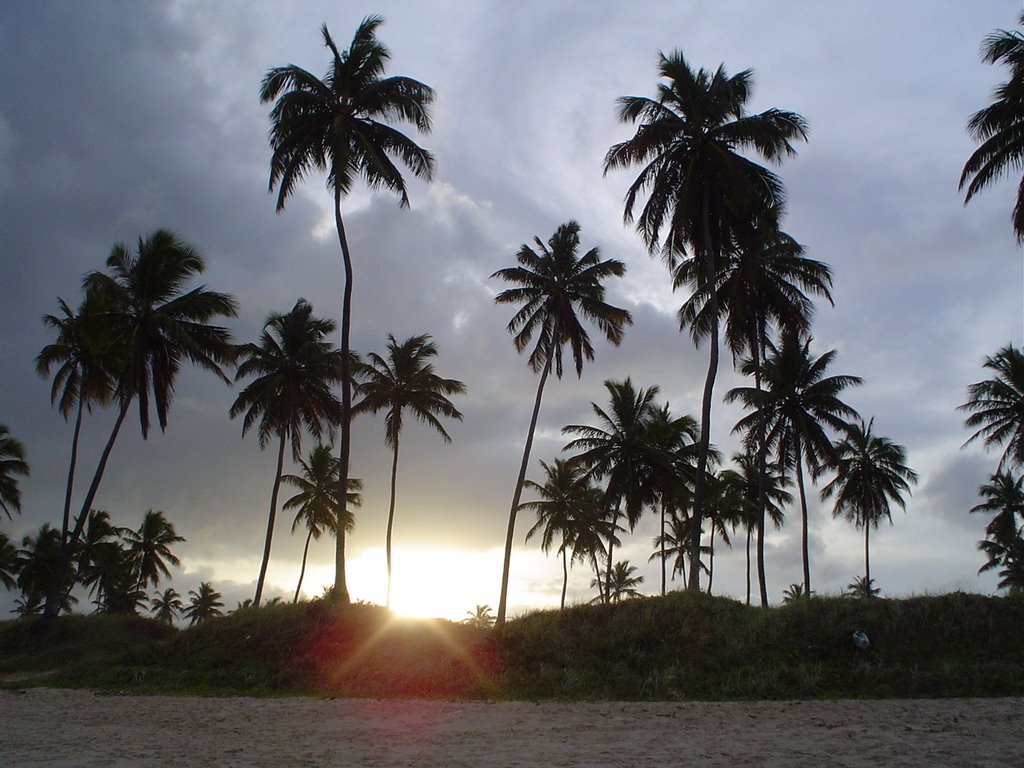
<point>796,406</point>
<point>563,507</point>
<point>317,500</point>
<point>871,471</point>
<point>340,125</point>
<point>999,127</point>
<point>405,381</point>
<point>762,287</point>
<point>620,451</point>
<point>294,367</point>
<point>556,289</point>
<point>996,406</point>
<point>1004,534</point>
<point>155,325</point>
<point>12,464</point>
<point>83,374</point>
<point>700,187</point>
<point>150,548</point>
<point>204,603</point>
<point>764,495</point>
<point>165,606</point>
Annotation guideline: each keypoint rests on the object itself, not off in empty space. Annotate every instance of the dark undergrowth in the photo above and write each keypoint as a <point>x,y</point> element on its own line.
<point>678,647</point>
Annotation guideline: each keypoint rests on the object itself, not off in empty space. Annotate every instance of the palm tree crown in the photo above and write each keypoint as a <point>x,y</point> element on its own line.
<point>996,406</point>
<point>150,547</point>
<point>12,463</point>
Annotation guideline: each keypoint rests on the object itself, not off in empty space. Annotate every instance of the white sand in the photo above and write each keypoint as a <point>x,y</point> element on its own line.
<point>44,727</point>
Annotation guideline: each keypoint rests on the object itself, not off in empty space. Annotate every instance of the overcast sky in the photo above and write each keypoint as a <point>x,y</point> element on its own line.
<point>118,118</point>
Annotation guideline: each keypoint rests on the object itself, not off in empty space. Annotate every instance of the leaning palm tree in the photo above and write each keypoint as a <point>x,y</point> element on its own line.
<point>999,127</point>
<point>317,500</point>
<point>996,406</point>
<point>155,325</point>
<point>204,603</point>
<point>796,406</point>
<point>405,382</point>
<point>556,289</point>
<point>150,548</point>
<point>165,606</point>
<point>700,187</point>
<point>83,376</point>
<point>294,367</point>
<point>12,465</point>
<point>871,471</point>
<point>340,125</point>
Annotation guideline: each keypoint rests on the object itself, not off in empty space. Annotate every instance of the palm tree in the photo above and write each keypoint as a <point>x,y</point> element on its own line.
<point>37,565</point>
<point>724,509</point>
<point>593,534</point>
<point>405,381</point>
<point>100,560</point>
<point>798,402</point>
<point>165,606</point>
<point>700,187</point>
<point>621,452</point>
<point>480,617</point>
<point>674,544</point>
<point>768,486</point>
<point>12,463</point>
<point>203,604</point>
<point>555,287</point>
<point>998,127</point>
<point>1004,535</point>
<point>317,500</point>
<point>863,588</point>
<point>150,548</point>
<point>996,406</point>
<point>620,582</point>
<point>8,562</point>
<point>870,472</point>
<point>294,367</point>
<point>565,499</point>
<point>340,125</point>
<point>83,375</point>
<point>154,325</point>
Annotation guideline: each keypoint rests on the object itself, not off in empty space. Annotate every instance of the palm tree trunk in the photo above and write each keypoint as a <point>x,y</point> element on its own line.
<point>601,591</point>
<point>748,565</point>
<point>565,576</point>
<point>52,605</point>
<point>340,584</point>
<point>499,622</point>
<point>762,468</point>
<point>664,513</point>
<point>270,525</point>
<point>71,474</point>
<point>391,521</point>
<point>302,571</point>
<point>867,560</point>
<point>711,558</point>
<point>705,408</point>
<point>803,515</point>
<point>611,547</point>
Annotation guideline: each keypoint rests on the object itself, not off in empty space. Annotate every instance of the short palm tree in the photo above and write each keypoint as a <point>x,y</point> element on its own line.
<point>405,382</point>
<point>150,548</point>
<point>996,406</point>
<point>700,187</point>
<point>340,125</point>
<point>1004,534</point>
<point>480,617</point>
<point>204,603</point>
<point>557,289</point>
<point>871,471</point>
<point>294,367</point>
<point>317,500</point>
<point>999,127</point>
<point>155,325</point>
<point>37,565</point>
<point>12,466</point>
<point>796,407</point>
<point>165,606</point>
<point>764,495</point>
<point>621,583</point>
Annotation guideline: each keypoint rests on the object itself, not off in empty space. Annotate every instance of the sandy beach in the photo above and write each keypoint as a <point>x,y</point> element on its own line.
<point>44,727</point>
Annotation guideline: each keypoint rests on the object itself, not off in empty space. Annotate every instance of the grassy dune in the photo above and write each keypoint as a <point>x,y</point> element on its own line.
<point>678,647</point>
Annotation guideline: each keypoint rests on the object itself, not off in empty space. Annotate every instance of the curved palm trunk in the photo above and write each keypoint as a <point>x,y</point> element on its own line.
<point>601,591</point>
<point>71,476</point>
<point>762,468</point>
<point>302,571</point>
<point>52,606</point>
<point>270,525</point>
<point>711,557</point>
<point>391,521</point>
<point>340,583</point>
<point>503,599</point>
<point>803,521</point>
<point>565,576</point>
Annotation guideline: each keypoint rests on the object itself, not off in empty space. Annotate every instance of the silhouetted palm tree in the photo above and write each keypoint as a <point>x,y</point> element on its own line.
<point>1004,535</point>
<point>38,563</point>
<point>340,125</point>
<point>620,583</point>
<point>203,604</point>
<point>724,511</point>
<point>999,126</point>
<point>294,367</point>
<point>798,402</point>
<point>405,382</point>
<point>155,325</point>
<point>165,606</point>
<point>556,289</point>
<point>870,472</point>
<point>83,375</point>
<point>8,562</point>
<point>863,588</point>
<point>150,548</point>
<point>769,486</point>
<point>996,406</point>
<point>700,187</point>
<point>12,465</point>
<point>317,500</point>
<point>480,617</point>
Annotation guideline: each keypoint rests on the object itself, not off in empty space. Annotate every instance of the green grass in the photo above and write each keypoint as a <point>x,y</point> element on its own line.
<point>679,647</point>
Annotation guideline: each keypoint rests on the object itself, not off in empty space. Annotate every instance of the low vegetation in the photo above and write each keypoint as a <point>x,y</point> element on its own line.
<point>683,646</point>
